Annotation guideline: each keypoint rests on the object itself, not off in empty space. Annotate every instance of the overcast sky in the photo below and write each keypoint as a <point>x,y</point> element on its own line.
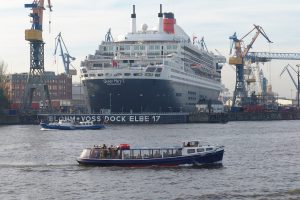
<point>84,23</point>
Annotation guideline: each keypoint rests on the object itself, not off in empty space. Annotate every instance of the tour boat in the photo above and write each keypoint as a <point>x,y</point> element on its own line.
<point>70,125</point>
<point>189,154</point>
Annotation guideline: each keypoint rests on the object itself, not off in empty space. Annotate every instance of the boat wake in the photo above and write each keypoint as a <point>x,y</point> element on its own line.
<point>36,165</point>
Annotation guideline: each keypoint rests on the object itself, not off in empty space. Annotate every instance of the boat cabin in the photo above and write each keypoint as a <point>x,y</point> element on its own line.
<point>123,151</point>
<point>196,147</point>
<point>128,153</point>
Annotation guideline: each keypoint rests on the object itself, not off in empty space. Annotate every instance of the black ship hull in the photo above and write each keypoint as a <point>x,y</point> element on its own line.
<point>144,95</point>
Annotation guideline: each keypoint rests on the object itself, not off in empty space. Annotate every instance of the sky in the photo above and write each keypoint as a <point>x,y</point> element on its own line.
<point>84,23</point>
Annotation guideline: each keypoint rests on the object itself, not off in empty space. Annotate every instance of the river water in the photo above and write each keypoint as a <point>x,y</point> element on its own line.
<point>261,161</point>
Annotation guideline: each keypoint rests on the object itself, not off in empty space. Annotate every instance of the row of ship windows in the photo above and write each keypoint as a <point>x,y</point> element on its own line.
<point>184,79</point>
<point>189,98</point>
<point>183,73</point>
<point>120,74</point>
<point>192,98</point>
<point>139,47</point>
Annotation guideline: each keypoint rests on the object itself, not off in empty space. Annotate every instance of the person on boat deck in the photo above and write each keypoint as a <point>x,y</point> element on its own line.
<point>112,151</point>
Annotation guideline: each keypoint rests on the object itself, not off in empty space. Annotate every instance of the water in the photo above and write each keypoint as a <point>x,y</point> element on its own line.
<point>261,161</point>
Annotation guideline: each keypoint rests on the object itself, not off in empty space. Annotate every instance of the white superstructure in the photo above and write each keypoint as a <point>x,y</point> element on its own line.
<point>163,54</point>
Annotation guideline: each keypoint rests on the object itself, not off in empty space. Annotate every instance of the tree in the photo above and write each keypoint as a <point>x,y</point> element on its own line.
<point>4,102</point>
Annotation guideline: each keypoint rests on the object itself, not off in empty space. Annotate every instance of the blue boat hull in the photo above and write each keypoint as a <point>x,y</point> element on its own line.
<point>74,127</point>
<point>198,159</point>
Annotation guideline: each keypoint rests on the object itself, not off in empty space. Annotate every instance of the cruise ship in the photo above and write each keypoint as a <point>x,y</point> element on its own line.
<point>151,71</point>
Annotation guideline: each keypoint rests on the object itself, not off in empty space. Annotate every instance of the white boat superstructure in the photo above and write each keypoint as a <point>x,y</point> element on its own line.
<point>165,54</point>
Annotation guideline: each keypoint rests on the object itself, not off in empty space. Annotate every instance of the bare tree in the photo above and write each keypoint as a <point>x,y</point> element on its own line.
<point>4,102</point>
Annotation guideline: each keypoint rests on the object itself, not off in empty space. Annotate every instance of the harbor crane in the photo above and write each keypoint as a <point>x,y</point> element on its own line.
<point>36,75</point>
<point>286,68</point>
<point>108,36</point>
<point>64,53</point>
<point>203,44</point>
<point>238,59</point>
<point>268,56</point>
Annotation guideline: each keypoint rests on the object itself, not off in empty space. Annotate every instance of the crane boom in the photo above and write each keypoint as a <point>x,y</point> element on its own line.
<point>286,69</point>
<point>66,58</point>
<point>261,31</point>
<point>268,56</point>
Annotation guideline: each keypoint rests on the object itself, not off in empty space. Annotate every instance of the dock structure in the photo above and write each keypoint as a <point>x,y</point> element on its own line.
<point>152,118</point>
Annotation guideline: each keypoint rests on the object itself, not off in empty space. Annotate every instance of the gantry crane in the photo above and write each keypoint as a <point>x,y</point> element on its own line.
<point>238,60</point>
<point>64,53</point>
<point>36,77</point>
<point>268,56</point>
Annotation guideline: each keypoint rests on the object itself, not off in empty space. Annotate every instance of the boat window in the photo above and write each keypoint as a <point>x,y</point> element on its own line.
<point>110,48</point>
<point>151,47</point>
<point>126,154</point>
<point>150,69</point>
<point>158,69</point>
<point>85,153</point>
<point>146,153</point>
<point>135,154</point>
<point>127,74</point>
<point>95,153</point>
<point>208,149</point>
<point>148,74</point>
<point>100,74</point>
<point>86,75</point>
<point>118,74</point>
<point>108,74</point>
<point>167,153</point>
<point>156,153</point>
<point>107,65</point>
<point>84,70</point>
<point>127,47</point>
<point>191,144</point>
<point>191,151</point>
<point>137,74</point>
<point>177,152</point>
<point>97,65</point>
<point>157,75</point>
<point>200,150</point>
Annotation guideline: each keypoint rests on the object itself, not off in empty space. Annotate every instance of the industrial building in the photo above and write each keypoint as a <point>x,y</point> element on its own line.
<point>60,88</point>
